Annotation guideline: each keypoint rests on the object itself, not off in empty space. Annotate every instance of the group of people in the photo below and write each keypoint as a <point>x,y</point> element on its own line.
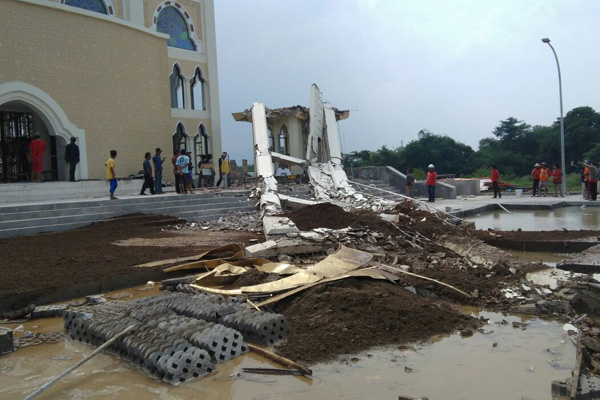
<point>541,174</point>
<point>184,176</point>
<point>183,167</point>
<point>588,171</point>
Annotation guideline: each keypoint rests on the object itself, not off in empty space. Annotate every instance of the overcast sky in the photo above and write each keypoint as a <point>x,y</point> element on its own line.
<point>451,67</point>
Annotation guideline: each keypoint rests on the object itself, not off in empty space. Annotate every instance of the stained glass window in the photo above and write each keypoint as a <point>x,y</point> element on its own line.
<point>91,5</point>
<point>171,22</point>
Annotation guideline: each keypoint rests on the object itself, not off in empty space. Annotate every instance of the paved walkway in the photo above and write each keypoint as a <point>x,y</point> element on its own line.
<point>483,203</point>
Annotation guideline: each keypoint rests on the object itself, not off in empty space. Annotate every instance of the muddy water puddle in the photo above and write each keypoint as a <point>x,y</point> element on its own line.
<point>550,259</point>
<point>522,364</point>
<point>570,218</point>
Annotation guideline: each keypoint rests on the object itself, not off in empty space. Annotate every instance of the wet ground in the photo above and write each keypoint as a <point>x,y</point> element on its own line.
<point>501,363</point>
<point>550,259</point>
<point>570,218</point>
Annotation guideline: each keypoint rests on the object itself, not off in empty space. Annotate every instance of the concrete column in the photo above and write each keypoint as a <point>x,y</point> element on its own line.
<point>210,49</point>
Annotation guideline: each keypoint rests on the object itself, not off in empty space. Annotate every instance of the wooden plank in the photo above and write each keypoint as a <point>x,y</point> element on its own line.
<point>282,360</point>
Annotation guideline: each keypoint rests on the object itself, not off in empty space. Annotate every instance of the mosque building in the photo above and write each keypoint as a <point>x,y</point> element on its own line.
<point>128,75</point>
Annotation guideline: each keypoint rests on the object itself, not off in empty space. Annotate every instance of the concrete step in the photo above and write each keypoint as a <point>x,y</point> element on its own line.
<point>27,219</point>
<point>43,211</point>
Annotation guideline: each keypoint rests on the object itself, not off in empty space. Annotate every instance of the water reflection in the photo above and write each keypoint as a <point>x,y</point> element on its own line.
<point>570,218</point>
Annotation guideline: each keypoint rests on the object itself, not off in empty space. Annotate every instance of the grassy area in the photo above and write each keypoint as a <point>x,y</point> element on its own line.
<point>573,181</point>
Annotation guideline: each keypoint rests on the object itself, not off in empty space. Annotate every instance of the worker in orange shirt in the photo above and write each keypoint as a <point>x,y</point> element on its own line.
<point>586,180</point>
<point>545,174</point>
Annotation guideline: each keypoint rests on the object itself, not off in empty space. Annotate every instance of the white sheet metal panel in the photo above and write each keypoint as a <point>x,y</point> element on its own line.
<point>315,130</point>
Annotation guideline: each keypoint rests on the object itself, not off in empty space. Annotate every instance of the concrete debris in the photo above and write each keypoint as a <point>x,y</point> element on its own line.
<point>6,341</point>
<point>96,299</point>
<point>177,337</point>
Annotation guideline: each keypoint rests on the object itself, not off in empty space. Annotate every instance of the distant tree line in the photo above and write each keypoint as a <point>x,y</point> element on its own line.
<point>514,148</point>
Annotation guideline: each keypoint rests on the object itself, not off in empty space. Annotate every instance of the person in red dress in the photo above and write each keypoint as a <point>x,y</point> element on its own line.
<point>37,148</point>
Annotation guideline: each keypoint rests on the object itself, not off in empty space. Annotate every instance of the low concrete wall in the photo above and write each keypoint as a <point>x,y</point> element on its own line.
<point>397,179</point>
<point>465,187</point>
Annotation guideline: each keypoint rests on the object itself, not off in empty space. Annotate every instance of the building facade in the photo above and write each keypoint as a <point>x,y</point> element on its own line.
<point>128,75</point>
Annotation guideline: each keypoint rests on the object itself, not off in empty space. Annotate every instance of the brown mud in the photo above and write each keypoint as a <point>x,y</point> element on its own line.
<point>252,277</point>
<point>54,260</point>
<point>352,315</point>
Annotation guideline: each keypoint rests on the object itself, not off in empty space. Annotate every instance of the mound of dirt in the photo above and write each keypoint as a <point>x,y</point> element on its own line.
<point>252,277</point>
<point>324,215</point>
<point>353,315</point>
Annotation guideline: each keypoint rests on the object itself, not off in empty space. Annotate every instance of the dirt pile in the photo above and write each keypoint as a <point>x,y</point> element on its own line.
<point>324,215</point>
<point>352,315</point>
<point>33,265</point>
<point>252,277</point>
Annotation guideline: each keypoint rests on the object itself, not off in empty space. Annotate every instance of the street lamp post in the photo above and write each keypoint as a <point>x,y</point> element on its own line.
<point>562,121</point>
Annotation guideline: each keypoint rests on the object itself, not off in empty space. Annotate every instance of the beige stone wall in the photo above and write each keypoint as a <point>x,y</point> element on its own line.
<point>109,79</point>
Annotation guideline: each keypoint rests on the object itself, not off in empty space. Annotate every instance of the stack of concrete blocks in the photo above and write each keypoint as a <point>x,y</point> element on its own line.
<point>176,336</point>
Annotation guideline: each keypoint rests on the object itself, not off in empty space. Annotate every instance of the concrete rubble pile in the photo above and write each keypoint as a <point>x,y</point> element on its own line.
<point>177,336</point>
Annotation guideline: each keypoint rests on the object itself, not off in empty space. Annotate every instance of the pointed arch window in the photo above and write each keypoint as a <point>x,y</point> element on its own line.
<point>177,92</point>
<point>180,138</point>
<point>284,141</point>
<point>198,91</point>
<point>171,22</point>
<point>271,139</point>
<point>98,6</point>
<point>200,144</point>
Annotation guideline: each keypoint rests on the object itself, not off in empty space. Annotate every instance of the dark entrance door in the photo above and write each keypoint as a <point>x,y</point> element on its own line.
<point>15,136</point>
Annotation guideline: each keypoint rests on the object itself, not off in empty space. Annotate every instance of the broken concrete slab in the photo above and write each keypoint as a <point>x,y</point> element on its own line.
<point>285,159</point>
<point>588,261</point>
<point>278,226</point>
<point>260,249</point>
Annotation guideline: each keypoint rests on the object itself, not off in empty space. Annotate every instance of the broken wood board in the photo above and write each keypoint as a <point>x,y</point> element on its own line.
<point>272,248</point>
<point>221,275</point>
<point>210,264</point>
<point>229,251</point>
<point>343,260</point>
<point>279,268</point>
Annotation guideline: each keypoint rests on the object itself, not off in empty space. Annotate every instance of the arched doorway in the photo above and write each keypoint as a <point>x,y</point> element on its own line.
<point>24,111</point>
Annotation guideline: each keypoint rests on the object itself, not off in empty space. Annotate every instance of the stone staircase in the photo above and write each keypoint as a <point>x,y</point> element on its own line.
<point>58,215</point>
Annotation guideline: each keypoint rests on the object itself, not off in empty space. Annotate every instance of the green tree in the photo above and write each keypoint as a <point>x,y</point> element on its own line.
<point>448,155</point>
<point>582,132</point>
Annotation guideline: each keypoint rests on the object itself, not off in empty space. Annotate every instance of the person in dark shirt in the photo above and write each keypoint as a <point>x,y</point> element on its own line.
<point>148,181</point>
<point>158,169</point>
<point>410,183</point>
<point>72,158</point>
